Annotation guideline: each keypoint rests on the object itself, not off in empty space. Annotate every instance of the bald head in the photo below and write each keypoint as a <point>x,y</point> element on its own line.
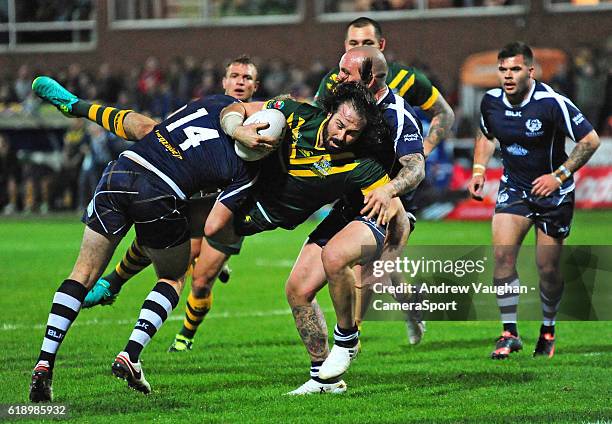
<point>366,64</point>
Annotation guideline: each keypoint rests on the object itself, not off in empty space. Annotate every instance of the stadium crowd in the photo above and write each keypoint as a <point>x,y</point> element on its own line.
<point>64,178</point>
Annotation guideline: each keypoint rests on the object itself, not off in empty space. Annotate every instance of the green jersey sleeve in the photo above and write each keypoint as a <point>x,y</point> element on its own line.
<point>326,85</point>
<point>367,176</point>
<point>412,84</point>
<point>286,106</point>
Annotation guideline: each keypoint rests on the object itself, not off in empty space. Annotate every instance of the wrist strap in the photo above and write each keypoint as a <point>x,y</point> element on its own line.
<point>562,173</point>
<point>478,170</point>
<point>231,121</point>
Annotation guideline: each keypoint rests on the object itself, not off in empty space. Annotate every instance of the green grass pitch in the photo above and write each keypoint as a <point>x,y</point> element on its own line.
<point>248,354</point>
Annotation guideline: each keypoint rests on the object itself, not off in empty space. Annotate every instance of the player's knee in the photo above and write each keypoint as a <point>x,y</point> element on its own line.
<point>203,278</point>
<point>212,228</point>
<point>177,283</point>
<point>334,260</point>
<point>299,293</point>
<point>548,272</point>
<point>398,231</point>
<point>504,258</point>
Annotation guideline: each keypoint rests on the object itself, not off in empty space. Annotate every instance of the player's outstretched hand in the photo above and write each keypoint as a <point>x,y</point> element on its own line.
<point>377,203</point>
<point>476,187</point>
<point>392,212</point>
<point>544,185</point>
<point>248,136</point>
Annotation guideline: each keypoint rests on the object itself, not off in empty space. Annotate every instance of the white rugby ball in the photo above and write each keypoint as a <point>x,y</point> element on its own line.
<point>276,130</point>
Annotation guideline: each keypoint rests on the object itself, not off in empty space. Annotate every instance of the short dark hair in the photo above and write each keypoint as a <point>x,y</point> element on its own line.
<point>364,103</point>
<point>364,22</point>
<point>243,59</point>
<point>514,49</point>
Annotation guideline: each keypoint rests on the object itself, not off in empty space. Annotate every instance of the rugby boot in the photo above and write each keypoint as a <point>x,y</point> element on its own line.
<point>314,387</point>
<point>545,345</point>
<point>41,389</point>
<point>131,372</point>
<point>53,92</point>
<point>100,294</point>
<point>505,345</point>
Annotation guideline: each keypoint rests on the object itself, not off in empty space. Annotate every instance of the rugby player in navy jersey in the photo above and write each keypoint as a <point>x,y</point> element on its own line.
<point>336,246</point>
<point>531,122</point>
<point>241,82</point>
<point>418,91</point>
<point>148,186</point>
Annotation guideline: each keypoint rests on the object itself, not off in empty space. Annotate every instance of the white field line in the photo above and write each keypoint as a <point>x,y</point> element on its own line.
<point>174,317</point>
<point>277,263</point>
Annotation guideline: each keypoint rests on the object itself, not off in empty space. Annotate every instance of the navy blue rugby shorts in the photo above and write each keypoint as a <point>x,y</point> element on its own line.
<point>552,214</point>
<point>129,194</point>
<point>340,215</point>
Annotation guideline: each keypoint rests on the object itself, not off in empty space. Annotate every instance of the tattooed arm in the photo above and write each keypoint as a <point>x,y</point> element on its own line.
<point>546,184</point>
<point>442,119</point>
<point>377,201</point>
<point>582,152</point>
<point>409,177</point>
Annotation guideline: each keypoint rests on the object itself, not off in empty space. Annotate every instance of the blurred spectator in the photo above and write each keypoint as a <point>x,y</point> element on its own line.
<point>39,171</point>
<point>316,72</point>
<point>107,84</point>
<point>97,154</point>
<point>6,93</point>
<point>208,85</point>
<point>162,101</point>
<point>173,78</point>
<point>297,86</point>
<point>606,111</point>
<point>9,177</point>
<point>148,82</point>
<point>275,78</point>
<point>99,148</point>
<point>189,79</point>
<point>72,155</point>
<point>589,83</point>
<point>563,81</point>
<point>23,83</point>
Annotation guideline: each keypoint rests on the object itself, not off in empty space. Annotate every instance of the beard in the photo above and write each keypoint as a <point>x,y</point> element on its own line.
<point>328,146</point>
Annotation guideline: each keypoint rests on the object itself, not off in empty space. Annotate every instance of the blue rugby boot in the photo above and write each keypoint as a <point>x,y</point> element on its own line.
<point>100,294</point>
<point>52,91</point>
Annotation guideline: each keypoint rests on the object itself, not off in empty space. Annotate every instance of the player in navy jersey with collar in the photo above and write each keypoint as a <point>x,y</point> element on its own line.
<point>531,122</point>
<point>148,187</point>
<point>335,246</point>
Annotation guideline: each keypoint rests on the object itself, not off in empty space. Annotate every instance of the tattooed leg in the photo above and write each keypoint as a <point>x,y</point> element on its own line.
<point>311,325</point>
<point>306,279</point>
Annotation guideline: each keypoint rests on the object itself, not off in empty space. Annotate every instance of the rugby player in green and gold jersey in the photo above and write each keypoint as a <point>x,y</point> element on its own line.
<point>319,160</point>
